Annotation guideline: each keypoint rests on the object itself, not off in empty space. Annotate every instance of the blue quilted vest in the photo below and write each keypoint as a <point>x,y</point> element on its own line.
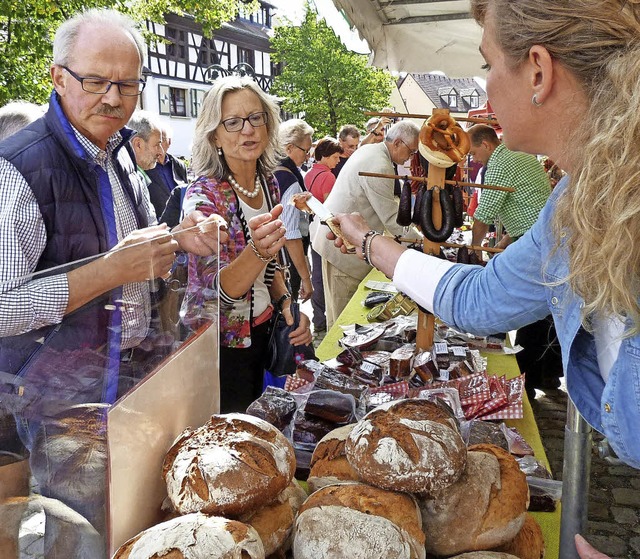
<point>74,197</point>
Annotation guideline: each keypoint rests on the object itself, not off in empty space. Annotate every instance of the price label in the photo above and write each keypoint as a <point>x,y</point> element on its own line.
<point>368,367</point>
<point>441,348</point>
<point>444,375</point>
<point>459,351</point>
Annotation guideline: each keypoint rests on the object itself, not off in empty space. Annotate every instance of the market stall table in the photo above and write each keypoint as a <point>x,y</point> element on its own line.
<point>498,364</point>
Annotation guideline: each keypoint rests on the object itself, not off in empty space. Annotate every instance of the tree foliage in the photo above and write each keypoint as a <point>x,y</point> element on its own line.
<point>27,28</point>
<point>323,80</point>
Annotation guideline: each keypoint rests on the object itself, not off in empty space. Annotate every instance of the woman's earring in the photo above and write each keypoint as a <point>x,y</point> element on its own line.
<point>535,102</point>
<point>220,152</point>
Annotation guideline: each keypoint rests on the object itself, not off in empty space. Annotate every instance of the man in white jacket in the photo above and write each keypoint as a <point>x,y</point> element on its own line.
<point>373,198</point>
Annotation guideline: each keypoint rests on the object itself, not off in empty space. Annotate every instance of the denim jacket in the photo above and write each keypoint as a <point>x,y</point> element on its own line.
<point>516,288</point>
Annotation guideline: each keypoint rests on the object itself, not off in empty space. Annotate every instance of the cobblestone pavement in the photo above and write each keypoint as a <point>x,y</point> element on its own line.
<point>614,496</point>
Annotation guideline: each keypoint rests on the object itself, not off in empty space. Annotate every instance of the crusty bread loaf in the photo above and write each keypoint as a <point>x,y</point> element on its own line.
<point>360,522</point>
<point>484,555</point>
<point>529,543</point>
<point>407,445</point>
<point>194,536</point>
<point>484,509</point>
<point>274,522</point>
<point>329,464</point>
<point>233,464</point>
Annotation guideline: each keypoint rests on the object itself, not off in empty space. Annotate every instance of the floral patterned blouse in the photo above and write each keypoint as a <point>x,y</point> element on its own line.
<point>213,196</point>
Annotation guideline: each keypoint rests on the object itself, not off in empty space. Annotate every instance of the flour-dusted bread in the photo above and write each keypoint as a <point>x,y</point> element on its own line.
<point>484,555</point>
<point>329,465</point>
<point>359,522</point>
<point>233,464</point>
<point>274,522</point>
<point>407,445</point>
<point>484,509</point>
<point>529,543</point>
<point>194,536</point>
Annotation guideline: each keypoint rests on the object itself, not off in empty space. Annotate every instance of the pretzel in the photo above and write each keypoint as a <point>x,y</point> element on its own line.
<point>442,141</point>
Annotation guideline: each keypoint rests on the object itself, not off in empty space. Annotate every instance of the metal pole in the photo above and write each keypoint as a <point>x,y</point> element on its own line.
<point>576,473</point>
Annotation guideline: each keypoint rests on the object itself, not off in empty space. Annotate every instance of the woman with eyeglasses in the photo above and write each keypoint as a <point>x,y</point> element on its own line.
<point>295,137</point>
<point>235,151</point>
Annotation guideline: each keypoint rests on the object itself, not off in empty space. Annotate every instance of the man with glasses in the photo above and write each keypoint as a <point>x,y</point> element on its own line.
<point>349,138</point>
<point>72,204</point>
<point>371,197</point>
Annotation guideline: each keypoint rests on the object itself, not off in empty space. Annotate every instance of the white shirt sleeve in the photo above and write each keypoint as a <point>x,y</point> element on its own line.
<point>25,303</point>
<point>417,275</point>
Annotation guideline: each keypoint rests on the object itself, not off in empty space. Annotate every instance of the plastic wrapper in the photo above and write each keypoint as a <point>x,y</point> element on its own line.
<point>275,406</point>
<point>480,432</point>
<point>449,396</point>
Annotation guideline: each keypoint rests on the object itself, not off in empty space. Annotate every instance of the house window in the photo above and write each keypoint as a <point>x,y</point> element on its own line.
<point>177,48</point>
<point>178,101</point>
<point>474,102</point>
<point>452,100</point>
<point>208,53</point>
<point>246,56</point>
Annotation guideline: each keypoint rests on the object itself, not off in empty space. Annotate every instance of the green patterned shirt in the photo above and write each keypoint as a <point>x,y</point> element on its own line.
<point>518,210</point>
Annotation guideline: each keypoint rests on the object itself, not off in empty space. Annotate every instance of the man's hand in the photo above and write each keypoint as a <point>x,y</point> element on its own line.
<point>142,255</point>
<point>201,235</point>
<point>586,550</point>
<point>306,289</point>
<point>353,227</point>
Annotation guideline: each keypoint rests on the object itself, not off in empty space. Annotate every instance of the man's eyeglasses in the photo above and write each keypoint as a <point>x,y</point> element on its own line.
<point>306,151</point>
<point>411,151</point>
<point>101,86</point>
<point>236,123</point>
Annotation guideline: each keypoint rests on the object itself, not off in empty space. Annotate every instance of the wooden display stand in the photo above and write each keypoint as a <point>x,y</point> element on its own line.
<point>426,321</point>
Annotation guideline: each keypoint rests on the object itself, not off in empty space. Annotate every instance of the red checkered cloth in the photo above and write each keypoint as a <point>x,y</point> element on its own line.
<point>397,389</point>
<point>513,410</point>
<point>293,384</point>
<point>474,389</point>
<point>498,399</point>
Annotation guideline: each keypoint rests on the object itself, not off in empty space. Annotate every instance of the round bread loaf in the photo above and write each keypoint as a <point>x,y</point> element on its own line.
<point>484,555</point>
<point>484,509</point>
<point>360,522</point>
<point>194,536</point>
<point>329,465</point>
<point>231,465</point>
<point>274,522</point>
<point>529,543</point>
<point>407,445</point>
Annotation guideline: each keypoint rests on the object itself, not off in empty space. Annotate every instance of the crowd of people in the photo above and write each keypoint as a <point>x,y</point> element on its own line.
<point>90,195</point>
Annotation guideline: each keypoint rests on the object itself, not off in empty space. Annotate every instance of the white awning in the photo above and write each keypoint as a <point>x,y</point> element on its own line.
<point>418,36</point>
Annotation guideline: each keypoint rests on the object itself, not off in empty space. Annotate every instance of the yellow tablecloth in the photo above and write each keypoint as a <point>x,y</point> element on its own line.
<point>497,364</point>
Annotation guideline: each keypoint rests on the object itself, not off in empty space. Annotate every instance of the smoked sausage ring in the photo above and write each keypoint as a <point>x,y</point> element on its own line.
<point>442,141</point>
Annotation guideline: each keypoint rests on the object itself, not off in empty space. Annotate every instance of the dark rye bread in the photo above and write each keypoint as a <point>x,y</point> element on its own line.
<point>329,464</point>
<point>232,464</point>
<point>194,535</point>
<point>360,522</point>
<point>407,445</point>
<point>484,509</point>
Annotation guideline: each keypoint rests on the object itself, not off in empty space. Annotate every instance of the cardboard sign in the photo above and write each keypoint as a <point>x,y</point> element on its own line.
<point>183,392</point>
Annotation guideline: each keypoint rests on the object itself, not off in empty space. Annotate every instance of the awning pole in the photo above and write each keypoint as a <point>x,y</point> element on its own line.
<point>576,474</point>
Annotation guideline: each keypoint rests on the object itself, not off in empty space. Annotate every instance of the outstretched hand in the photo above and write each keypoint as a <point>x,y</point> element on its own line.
<point>586,550</point>
<point>267,232</point>
<point>353,227</point>
<point>203,240</point>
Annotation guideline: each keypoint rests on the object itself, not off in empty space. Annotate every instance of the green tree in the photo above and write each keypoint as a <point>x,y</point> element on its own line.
<point>323,80</point>
<point>27,29</point>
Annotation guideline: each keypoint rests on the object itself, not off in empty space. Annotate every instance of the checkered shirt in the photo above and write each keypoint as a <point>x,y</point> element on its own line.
<point>518,210</point>
<point>28,303</point>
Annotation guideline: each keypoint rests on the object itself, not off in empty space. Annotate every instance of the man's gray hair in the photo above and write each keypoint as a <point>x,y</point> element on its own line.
<point>16,115</point>
<point>144,123</point>
<point>67,34</point>
<point>406,130</point>
<point>294,131</point>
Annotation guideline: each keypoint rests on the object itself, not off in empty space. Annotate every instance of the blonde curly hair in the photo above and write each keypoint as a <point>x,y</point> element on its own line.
<point>599,212</point>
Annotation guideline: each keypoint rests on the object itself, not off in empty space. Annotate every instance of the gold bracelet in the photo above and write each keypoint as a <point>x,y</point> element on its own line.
<point>265,259</point>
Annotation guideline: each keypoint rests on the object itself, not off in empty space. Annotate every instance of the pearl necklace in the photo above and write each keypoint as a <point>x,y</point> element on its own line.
<point>256,188</point>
